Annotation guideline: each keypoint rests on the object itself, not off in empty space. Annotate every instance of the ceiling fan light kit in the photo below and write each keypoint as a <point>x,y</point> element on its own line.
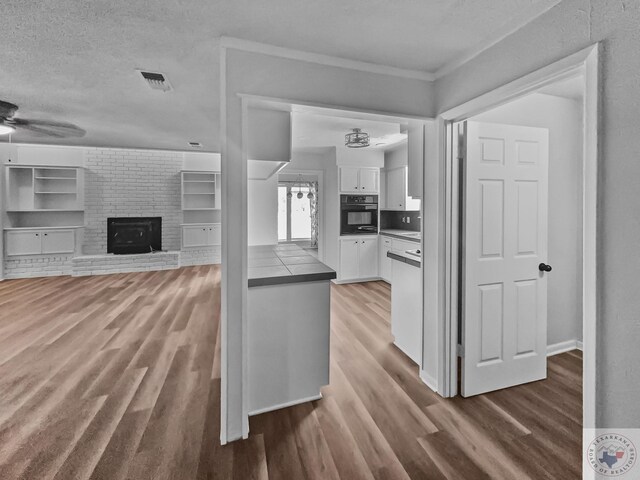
<point>6,129</point>
<point>356,139</point>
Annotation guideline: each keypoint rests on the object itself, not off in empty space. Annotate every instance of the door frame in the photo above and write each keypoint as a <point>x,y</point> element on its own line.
<point>585,63</point>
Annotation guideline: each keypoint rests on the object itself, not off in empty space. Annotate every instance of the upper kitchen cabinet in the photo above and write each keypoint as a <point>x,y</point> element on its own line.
<point>397,197</point>
<point>359,180</point>
<point>415,143</point>
<point>269,141</point>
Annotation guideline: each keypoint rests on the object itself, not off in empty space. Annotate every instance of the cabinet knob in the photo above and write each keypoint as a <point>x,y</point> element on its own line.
<point>45,234</point>
<point>37,234</point>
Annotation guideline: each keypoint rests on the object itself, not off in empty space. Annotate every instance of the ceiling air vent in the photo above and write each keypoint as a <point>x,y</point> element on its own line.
<point>156,80</point>
<point>195,144</point>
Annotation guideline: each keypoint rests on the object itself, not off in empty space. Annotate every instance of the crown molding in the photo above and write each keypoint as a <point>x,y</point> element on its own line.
<point>272,50</point>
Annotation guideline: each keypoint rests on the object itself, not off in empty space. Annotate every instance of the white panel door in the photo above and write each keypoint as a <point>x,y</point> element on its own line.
<point>23,243</point>
<point>58,241</point>
<point>504,311</point>
<point>368,257</point>
<point>349,179</point>
<point>348,258</point>
<point>369,180</point>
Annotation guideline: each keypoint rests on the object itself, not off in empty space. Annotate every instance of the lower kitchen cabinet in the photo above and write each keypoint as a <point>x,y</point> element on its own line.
<point>40,242</point>
<point>386,244</point>
<point>201,235</point>
<point>358,258</point>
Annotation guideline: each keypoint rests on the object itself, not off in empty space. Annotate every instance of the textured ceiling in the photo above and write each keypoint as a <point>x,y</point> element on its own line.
<point>75,60</point>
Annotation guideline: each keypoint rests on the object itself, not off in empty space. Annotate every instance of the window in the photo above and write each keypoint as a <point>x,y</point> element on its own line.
<point>294,214</point>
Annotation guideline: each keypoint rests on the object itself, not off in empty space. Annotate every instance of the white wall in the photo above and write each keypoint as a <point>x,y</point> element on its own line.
<point>563,118</point>
<point>567,28</point>
<point>264,75</point>
<point>262,203</point>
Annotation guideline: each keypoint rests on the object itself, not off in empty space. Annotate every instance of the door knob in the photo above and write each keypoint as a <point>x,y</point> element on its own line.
<point>543,267</point>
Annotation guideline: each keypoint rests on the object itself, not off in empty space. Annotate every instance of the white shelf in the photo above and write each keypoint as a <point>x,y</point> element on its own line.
<point>199,181</point>
<point>62,227</point>
<point>40,210</point>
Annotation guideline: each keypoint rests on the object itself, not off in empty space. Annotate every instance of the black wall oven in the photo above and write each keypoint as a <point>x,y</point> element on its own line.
<point>358,214</point>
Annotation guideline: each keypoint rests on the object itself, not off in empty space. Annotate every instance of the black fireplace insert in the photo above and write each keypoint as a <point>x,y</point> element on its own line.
<point>134,235</point>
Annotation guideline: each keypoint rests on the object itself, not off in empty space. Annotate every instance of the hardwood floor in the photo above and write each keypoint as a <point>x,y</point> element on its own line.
<point>117,377</point>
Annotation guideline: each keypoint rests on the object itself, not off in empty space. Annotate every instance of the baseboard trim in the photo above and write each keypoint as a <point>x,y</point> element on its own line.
<point>429,381</point>
<point>285,405</point>
<point>357,280</point>
<point>562,347</point>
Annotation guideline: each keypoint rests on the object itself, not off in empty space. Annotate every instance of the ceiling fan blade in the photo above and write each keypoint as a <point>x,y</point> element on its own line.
<point>7,110</point>
<point>49,128</point>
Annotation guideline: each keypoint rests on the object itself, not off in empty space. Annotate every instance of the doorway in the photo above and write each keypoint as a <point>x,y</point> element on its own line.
<point>584,66</point>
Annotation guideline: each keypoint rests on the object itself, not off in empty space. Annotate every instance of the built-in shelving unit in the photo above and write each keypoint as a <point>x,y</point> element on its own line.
<point>200,208</point>
<point>44,208</point>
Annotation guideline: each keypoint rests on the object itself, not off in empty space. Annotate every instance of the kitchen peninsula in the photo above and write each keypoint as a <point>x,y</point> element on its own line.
<point>288,312</point>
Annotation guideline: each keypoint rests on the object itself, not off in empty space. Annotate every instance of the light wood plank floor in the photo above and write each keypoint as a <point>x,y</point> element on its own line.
<point>117,377</point>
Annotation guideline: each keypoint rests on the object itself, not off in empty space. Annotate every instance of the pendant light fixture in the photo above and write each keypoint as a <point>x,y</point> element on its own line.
<point>356,139</point>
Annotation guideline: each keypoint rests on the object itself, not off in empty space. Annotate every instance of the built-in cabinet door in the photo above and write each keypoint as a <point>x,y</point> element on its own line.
<point>58,241</point>
<point>195,236</point>
<point>386,244</point>
<point>368,258</point>
<point>349,258</point>
<point>369,180</point>
<point>23,243</point>
<point>215,234</point>
<point>349,179</point>
<point>396,188</point>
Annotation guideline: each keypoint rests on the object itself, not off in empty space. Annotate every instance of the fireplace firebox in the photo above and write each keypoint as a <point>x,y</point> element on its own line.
<point>134,235</point>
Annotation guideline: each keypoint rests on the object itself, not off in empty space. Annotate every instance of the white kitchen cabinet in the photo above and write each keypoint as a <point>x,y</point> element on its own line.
<point>58,241</point>
<point>359,180</point>
<point>40,242</point>
<point>358,258</point>
<point>369,180</point>
<point>368,258</point>
<point>202,235</point>
<point>349,181</point>
<point>349,258</point>
<point>396,191</point>
<point>384,262</point>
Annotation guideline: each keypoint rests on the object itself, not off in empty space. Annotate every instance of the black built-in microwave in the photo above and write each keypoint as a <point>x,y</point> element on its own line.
<point>358,214</point>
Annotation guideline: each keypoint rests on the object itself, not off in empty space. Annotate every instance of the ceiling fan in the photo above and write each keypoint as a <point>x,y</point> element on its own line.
<point>9,123</point>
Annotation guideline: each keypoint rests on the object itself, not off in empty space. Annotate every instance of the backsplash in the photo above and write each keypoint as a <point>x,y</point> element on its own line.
<point>391,219</point>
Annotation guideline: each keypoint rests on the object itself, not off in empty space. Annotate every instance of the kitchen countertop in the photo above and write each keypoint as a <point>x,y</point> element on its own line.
<point>285,263</point>
<point>404,257</point>
<point>397,233</point>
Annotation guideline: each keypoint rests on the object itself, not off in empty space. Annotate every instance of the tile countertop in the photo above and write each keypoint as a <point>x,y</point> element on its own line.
<point>402,234</point>
<point>285,263</point>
